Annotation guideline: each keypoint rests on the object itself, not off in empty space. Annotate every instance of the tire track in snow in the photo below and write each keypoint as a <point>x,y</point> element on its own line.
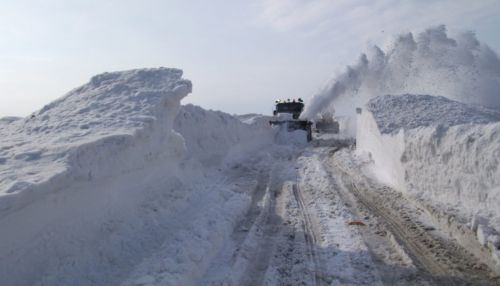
<point>417,251</point>
<point>442,260</point>
<point>310,237</point>
<point>245,259</point>
<point>276,242</point>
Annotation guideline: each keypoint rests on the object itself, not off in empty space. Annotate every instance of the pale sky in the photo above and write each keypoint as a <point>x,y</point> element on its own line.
<point>240,55</point>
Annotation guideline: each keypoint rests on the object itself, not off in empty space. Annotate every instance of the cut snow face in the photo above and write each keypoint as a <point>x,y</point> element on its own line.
<point>441,151</point>
<point>84,134</point>
<point>459,68</point>
<point>411,111</point>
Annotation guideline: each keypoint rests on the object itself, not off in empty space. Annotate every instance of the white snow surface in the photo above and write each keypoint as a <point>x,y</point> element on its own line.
<point>139,190</point>
<point>211,136</point>
<point>116,122</point>
<point>442,151</point>
<point>411,111</point>
<point>94,182</point>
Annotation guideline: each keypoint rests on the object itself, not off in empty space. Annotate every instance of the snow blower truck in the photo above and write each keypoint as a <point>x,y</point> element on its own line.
<point>291,108</point>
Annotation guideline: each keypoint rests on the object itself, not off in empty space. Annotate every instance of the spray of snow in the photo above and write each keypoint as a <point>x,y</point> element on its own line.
<point>459,68</point>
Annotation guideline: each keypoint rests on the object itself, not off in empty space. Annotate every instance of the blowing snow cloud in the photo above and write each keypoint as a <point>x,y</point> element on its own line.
<point>459,68</point>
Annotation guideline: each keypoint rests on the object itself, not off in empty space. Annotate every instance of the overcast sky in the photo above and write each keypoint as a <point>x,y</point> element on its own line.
<point>240,55</point>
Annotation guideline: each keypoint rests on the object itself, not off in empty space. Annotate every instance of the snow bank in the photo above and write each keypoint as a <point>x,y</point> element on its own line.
<point>59,169</point>
<point>98,180</point>
<point>117,122</point>
<point>212,136</point>
<point>459,68</point>
<point>439,150</point>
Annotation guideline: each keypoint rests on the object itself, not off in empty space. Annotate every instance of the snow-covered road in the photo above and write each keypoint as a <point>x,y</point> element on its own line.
<point>313,218</point>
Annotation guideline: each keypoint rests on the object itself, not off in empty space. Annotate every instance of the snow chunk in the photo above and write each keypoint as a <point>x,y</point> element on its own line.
<point>408,111</point>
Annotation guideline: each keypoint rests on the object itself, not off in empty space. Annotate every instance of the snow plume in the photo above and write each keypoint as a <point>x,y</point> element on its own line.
<point>459,68</point>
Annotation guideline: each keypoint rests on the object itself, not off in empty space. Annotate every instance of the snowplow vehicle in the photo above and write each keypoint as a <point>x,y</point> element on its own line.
<point>293,108</point>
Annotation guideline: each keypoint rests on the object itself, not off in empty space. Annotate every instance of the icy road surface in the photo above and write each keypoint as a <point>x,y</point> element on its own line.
<point>315,219</point>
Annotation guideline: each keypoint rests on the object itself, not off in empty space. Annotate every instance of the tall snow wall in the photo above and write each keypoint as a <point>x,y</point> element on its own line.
<point>213,136</point>
<point>89,182</point>
<point>116,123</point>
<point>440,150</point>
